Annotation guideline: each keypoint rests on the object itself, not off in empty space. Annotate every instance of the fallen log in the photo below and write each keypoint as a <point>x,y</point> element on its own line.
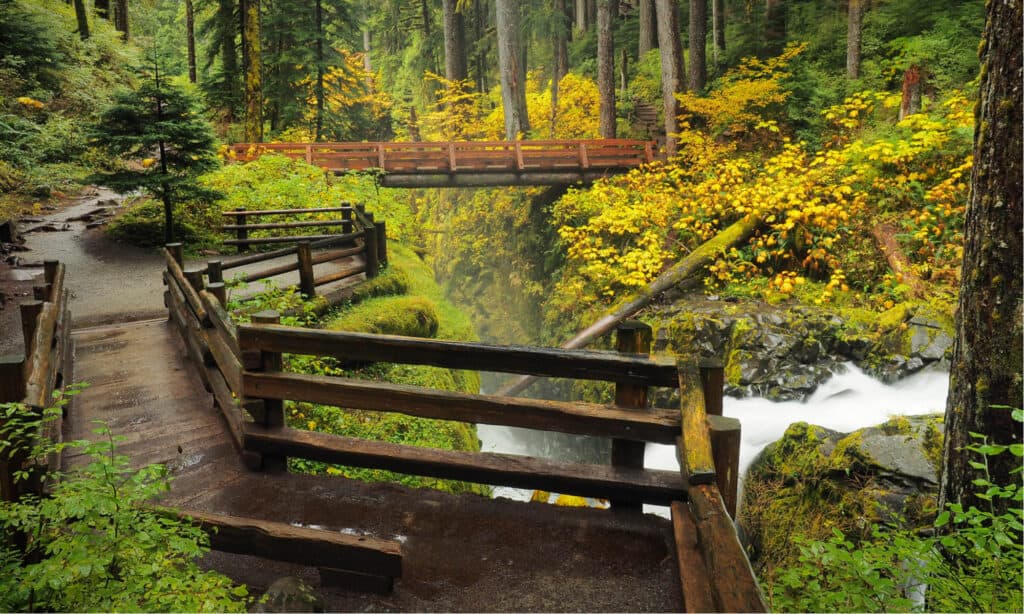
<point>885,238</point>
<point>675,275</point>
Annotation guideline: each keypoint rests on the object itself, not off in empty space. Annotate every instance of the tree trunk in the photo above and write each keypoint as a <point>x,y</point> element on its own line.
<point>986,369</point>
<point>885,238</point>
<point>774,26</point>
<point>320,61</point>
<point>367,64</point>
<point>853,37</point>
<point>229,56</point>
<point>648,30</point>
<point>698,30</point>
<point>581,16</point>
<point>513,91</point>
<point>253,73</point>
<point>121,18</point>
<point>190,40</point>
<point>687,267</point>
<point>718,31</point>
<point>102,8</point>
<point>561,59</point>
<point>672,68</point>
<point>454,42</point>
<point>911,101</point>
<point>83,19</point>
<point>606,68</point>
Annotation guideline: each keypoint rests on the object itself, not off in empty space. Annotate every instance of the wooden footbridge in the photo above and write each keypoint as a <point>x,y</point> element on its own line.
<point>468,163</point>
<point>206,396</point>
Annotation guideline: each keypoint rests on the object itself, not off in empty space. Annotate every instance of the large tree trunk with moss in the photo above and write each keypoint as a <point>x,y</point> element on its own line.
<point>83,19</point>
<point>985,375</point>
<point>581,16</point>
<point>675,275</point>
<point>606,68</point>
<point>251,46</point>
<point>698,31</point>
<point>854,30</point>
<point>454,42</point>
<point>648,29</point>
<point>513,85</point>
<point>673,68</point>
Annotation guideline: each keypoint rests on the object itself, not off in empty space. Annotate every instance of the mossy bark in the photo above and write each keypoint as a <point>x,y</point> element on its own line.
<point>986,366</point>
<point>253,71</point>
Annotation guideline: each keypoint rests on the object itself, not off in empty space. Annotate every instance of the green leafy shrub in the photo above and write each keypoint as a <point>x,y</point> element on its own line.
<point>143,224</point>
<point>971,563</point>
<point>94,544</point>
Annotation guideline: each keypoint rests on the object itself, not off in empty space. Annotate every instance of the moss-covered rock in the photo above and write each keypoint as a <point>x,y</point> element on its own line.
<point>411,316</point>
<point>813,480</point>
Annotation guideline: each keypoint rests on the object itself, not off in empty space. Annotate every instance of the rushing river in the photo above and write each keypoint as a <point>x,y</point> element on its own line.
<point>847,402</point>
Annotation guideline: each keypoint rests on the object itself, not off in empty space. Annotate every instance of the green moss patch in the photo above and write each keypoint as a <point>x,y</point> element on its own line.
<point>410,316</point>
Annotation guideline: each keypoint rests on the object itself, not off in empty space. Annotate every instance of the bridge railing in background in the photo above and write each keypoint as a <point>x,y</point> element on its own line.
<point>46,326</point>
<point>463,156</point>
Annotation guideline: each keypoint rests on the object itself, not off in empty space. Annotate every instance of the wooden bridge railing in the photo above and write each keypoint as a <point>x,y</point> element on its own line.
<point>243,367</point>
<point>463,156</point>
<point>46,324</point>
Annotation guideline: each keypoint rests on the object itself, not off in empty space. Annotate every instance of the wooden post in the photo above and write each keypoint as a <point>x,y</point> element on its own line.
<point>725,449</point>
<point>177,252</point>
<point>219,290</point>
<point>712,380</point>
<point>382,242</point>
<point>346,221</point>
<point>195,278</point>
<point>273,409</point>
<point>29,320</point>
<point>50,270</point>
<point>41,293</point>
<point>12,380</point>
<point>371,253</point>
<point>307,285</point>
<point>242,233</point>
<point>215,271</point>
<point>632,337</point>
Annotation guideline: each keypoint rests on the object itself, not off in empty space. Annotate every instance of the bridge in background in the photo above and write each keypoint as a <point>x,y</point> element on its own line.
<point>469,163</point>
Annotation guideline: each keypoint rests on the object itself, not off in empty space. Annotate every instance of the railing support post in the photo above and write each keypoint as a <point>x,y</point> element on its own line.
<point>177,252</point>
<point>724,432</point>
<point>219,290</point>
<point>307,285</point>
<point>346,221</point>
<point>268,413</point>
<point>215,271</point>
<point>371,253</point>
<point>632,337</point>
<point>242,233</point>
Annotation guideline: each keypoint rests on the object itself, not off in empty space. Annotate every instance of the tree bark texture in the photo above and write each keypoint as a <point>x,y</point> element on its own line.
<point>513,87</point>
<point>774,26</point>
<point>698,30</point>
<point>320,61</point>
<point>454,42</point>
<point>854,30</point>
<point>648,29</point>
<point>911,101</point>
<point>253,73</point>
<point>121,18</point>
<point>606,68</point>
<point>82,16</point>
<point>986,367</point>
<point>229,55</point>
<point>581,16</point>
<point>718,31</point>
<point>673,68</point>
<point>190,39</point>
<point>561,57</point>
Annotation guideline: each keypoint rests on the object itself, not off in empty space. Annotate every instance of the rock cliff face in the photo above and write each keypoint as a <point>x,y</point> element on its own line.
<point>813,480</point>
<point>784,353</point>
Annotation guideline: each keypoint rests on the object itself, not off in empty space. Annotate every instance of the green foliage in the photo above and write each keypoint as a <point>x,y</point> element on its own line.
<point>971,563</point>
<point>143,224</point>
<point>410,316</point>
<point>94,544</point>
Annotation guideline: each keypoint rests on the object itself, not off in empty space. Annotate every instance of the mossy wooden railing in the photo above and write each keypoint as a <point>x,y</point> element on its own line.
<point>45,323</point>
<point>243,367</point>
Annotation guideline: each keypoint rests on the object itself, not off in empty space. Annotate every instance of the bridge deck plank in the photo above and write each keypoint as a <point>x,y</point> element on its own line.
<point>460,552</point>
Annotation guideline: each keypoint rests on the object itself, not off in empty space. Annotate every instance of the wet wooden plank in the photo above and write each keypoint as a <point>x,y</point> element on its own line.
<point>601,481</point>
<point>579,418</point>
<point>697,463</point>
<point>693,574</point>
<point>544,362</point>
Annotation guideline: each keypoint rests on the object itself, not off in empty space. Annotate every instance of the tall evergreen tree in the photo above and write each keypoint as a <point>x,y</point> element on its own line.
<point>673,68</point>
<point>698,30</point>
<point>159,118</point>
<point>252,51</point>
<point>606,68</point>
<point>513,84</point>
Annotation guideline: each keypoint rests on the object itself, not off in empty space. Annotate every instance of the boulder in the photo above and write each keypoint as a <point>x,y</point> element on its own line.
<point>813,480</point>
<point>290,594</point>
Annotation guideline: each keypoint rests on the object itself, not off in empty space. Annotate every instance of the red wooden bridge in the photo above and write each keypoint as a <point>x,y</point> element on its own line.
<point>469,163</point>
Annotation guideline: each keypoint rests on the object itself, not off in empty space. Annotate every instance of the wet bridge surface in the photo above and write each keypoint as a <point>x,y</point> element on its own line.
<point>460,552</point>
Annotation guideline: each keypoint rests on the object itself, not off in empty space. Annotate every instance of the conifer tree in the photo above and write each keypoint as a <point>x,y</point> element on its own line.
<point>166,144</point>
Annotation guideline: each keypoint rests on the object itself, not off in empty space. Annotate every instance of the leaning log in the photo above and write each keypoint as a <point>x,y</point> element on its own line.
<point>885,238</point>
<point>693,262</point>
